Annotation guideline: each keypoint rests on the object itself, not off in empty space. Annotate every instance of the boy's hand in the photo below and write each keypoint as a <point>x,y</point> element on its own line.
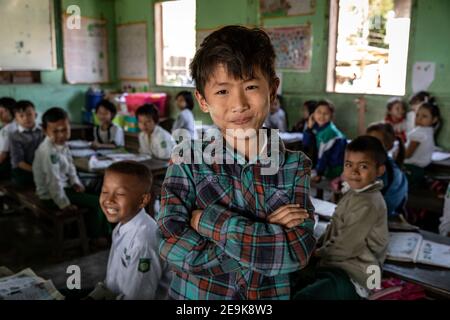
<point>316,179</point>
<point>311,121</point>
<point>196,215</point>
<point>79,188</point>
<point>289,216</point>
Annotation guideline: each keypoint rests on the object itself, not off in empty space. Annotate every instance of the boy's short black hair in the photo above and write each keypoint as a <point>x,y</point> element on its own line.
<point>187,96</point>
<point>52,115</point>
<point>369,145</point>
<point>149,110</point>
<point>8,103</point>
<point>326,103</point>
<point>135,169</point>
<point>22,105</point>
<point>240,49</point>
<point>108,105</point>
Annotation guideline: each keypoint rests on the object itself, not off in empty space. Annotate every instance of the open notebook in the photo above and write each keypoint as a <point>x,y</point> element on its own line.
<point>324,209</point>
<point>410,246</point>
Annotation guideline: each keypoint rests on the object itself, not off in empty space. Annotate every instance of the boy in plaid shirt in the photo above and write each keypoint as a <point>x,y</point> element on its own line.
<point>229,229</point>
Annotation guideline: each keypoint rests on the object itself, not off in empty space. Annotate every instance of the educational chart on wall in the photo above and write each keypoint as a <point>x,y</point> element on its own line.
<point>27,38</point>
<point>293,47</point>
<point>283,8</point>
<point>132,51</point>
<point>86,52</point>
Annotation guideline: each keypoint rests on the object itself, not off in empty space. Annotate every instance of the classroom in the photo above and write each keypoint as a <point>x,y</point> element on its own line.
<point>236,150</point>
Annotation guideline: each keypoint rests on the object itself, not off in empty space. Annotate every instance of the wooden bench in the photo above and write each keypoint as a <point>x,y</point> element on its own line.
<point>58,219</point>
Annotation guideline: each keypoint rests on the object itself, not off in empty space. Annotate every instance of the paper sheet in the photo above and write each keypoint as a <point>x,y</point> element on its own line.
<point>423,75</point>
<point>323,208</point>
<point>440,156</point>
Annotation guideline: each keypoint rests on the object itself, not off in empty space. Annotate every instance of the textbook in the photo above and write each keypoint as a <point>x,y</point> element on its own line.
<point>412,247</point>
<point>323,208</point>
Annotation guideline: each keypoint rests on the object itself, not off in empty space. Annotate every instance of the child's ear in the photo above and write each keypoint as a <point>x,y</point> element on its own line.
<point>201,101</point>
<point>274,89</point>
<point>381,170</point>
<point>145,200</point>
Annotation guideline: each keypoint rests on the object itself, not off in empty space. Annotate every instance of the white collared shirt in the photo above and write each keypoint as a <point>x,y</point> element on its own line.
<point>5,132</point>
<point>135,270</point>
<point>53,170</point>
<point>22,129</point>
<point>114,135</point>
<point>159,145</point>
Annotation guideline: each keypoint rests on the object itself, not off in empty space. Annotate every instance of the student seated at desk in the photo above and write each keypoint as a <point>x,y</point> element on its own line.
<point>185,120</point>
<point>395,184</point>
<point>56,177</point>
<point>357,236</point>
<point>236,230</point>
<point>9,126</point>
<point>153,139</point>
<point>24,142</point>
<point>135,269</point>
<point>330,142</point>
<point>107,135</point>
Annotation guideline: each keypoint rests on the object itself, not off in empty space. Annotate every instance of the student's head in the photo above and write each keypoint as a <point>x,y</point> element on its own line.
<point>148,117</point>
<point>428,115</point>
<point>56,125</point>
<point>420,97</point>
<point>6,109</point>
<point>105,111</point>
<point>25,114</point>
<point>396,108</point>
<point>308,109</point>
<point>125,191</point>
<point>234,73</point>
<point>385,133</point>
<point>323,112</point>
<point>276,104</point>
<point>364,161</point>
<point>184,99</point>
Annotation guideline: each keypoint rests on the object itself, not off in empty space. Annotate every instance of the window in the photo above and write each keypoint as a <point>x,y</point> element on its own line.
<point>368,46</point>
<point>175,42</point>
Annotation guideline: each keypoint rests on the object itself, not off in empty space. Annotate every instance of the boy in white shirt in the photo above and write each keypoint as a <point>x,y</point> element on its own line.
<point>9,126</point>
<point>153,139</point>
<point>56,178</point>
<point>135,269</point>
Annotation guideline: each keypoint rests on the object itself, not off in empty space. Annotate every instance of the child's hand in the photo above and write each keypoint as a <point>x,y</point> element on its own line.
<point>196,215</point>
<point>78,188</point>
<point>95,145</point>
<point>361,103</point>
<point>71,208</point>
<point>289,216</point>
<point>316,179</point>
<point>311,121</point>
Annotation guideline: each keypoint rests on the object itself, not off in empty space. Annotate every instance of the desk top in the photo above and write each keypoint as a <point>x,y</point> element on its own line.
<point>155,165</point>
<point>434,279</point>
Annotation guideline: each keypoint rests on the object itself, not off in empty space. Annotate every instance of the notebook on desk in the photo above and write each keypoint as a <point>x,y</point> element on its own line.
<point>412,247</point>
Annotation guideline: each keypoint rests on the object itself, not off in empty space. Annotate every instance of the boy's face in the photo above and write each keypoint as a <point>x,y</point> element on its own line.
<point>146,124</point>
<point>104,115</point>
<point>236,103</point>
<point>181,103</point>
<point>26,118</point>
<point>122,197</point>
<point>5,116</point>
<point>424,118</point>
<point>59,131</point>
<point>360,169</point>
<point>322,115</point>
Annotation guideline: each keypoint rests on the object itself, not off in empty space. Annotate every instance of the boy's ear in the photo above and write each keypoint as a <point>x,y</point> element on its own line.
<point>145,200</point>
<point>274,89</point>
<point>201,101</point>
<point>381,170</point>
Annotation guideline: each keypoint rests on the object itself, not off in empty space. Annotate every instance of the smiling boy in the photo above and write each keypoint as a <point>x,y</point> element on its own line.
<point>229,230</point>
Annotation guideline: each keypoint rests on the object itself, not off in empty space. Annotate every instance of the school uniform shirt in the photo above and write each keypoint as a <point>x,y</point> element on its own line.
<point>114,135</point>
<point>395,188</point>
<point>444,227</point>
<point>235,254</point>
<point>357,236</point>
<point>422,156</point>
<point>53,170</point>
<point>23,144</point>
<point>159,145</point>
<point>410,121</point>
<point>277,120</point>
<point>5,134</point>
<point>135,270</point>
<point>185,120</point>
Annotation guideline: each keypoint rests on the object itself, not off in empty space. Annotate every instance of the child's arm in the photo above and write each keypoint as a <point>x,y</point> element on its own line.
<point>269,249</point>
<point>181,246</point>
<point>75,181</point>
<point>412,147</point>
<point>361,104</point>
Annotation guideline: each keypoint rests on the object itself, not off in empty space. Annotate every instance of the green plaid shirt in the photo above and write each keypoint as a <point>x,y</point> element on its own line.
<point>236,253</point>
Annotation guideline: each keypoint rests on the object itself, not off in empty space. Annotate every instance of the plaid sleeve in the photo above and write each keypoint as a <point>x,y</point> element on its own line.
<point>181,246</point>
<point>265,248</point>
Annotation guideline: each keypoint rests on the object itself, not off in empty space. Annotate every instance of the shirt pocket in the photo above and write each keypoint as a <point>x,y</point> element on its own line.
<point>214,189</point>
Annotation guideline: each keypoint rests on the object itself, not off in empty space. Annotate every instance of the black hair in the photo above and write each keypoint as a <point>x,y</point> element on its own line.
<point>422,96</point>
<point>369,145</point>
<point>310,105</point>
<point>389,137</point>
<point>187,96</point>
<point>8,103</point>
<point>241,50</point>
<point>135,169</point>
<point>53,115</point>
<point>392,101</point>
<point>22,105</point>
<point>149,110</point>
<point>326,103</point>
<point>108,105</point>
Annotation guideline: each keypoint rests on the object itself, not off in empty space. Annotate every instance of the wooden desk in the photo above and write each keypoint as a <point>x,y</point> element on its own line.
<point>435,280</point>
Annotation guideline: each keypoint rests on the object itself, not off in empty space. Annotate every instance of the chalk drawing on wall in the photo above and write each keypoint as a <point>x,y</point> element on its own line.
<point>282,8</point>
